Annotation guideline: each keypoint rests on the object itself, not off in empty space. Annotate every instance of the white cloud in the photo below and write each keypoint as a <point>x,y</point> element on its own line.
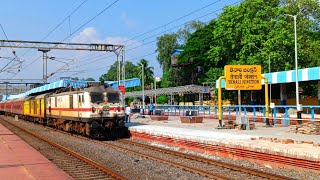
<point>129,22</point>
<point>87,35</point>
<point>90,35</point>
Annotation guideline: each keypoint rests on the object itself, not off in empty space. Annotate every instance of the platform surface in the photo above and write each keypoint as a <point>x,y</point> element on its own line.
<point>18,160</point>
<point>207,133</point>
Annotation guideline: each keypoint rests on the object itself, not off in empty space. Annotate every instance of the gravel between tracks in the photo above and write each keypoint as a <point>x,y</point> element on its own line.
<point>133,167</point>
<point>64,161</point>
<point>191,163</point>
<point>279,171</point>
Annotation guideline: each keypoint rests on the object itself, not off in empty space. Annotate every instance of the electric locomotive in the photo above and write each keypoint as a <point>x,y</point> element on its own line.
<point>95,111</point>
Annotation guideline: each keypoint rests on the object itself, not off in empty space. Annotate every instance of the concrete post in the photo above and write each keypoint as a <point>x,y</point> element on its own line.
<point>318,92</point>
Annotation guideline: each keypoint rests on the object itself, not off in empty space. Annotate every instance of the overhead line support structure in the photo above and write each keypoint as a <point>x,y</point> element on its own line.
<point>47,46</point>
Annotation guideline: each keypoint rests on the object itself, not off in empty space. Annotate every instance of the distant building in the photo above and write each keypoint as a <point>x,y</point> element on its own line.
<point>174,56</point>
<point>174,59</point>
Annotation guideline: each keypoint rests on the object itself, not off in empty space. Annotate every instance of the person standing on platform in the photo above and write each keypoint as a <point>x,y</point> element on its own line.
<point>151,108</point>
<point>128,112</point>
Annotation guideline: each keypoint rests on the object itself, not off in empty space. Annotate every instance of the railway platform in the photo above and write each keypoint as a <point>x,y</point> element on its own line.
<point>270,146</point>
<point>18,160</point>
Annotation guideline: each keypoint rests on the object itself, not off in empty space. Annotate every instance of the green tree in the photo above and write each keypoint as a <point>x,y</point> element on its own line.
<point>147,70</point>
<point>196,51</point>
<point>111,75</point>
<point>264,23</point>
<point>165,46</point>
<point>162,99</point>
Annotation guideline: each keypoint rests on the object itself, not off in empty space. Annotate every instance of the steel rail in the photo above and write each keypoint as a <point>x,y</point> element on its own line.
<point>77,155</point>
<point>184,155</point>
<point>177,165</point>
<point>209,161</point>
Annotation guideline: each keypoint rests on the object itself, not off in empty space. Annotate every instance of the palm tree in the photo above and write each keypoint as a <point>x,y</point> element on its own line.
<point>148,71</point>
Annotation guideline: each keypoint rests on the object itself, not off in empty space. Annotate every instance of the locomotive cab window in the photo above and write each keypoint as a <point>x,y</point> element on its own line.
<point>96,97</point>
<point>113,97</point>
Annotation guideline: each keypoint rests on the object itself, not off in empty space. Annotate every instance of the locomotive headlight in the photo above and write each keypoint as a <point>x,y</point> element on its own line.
<point>106,108</point>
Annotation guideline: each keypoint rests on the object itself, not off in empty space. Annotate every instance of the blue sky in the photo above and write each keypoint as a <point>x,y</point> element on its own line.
<point>126,19</point>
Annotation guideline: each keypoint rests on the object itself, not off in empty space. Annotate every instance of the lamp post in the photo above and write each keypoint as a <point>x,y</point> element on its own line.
<point>142,66</point>
<point>270,99</point>
<point>156,79</point>
<point>299,108</point>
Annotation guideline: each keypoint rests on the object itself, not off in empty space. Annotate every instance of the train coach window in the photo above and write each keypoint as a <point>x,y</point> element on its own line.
<point>56,102</point>
<point>71,101</point>
<point>34,107</point>
<point>113,97</point>
<point>96,97</point>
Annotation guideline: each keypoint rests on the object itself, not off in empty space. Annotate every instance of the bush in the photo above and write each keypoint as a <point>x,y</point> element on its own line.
<point>162,99</point>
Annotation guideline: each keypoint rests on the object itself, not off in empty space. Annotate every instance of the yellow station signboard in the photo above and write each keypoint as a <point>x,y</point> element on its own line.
<point>243,77</point>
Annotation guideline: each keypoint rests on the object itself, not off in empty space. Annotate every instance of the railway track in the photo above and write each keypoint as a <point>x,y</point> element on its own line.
<point>208,161</point>
<point>77,166</point>
<point>209,174</point>
<point>231,167</point>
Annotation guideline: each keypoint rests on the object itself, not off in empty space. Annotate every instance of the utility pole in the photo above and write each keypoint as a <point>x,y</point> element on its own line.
<point>45,64</point>
<point>155,91</point>
<point>6,90</point>
<point>143,89</point>
<point>299,107</point>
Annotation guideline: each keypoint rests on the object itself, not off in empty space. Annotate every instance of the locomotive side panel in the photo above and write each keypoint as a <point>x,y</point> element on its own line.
<point>66,107</point>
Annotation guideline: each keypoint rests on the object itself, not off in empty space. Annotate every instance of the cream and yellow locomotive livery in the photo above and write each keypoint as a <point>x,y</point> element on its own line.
<point>95,111</point>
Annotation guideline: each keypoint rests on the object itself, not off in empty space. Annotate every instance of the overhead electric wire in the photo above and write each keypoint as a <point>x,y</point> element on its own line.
<point>78,7</point>
<point>161,33</point>
<point>157,35</point>
<point>91,19</point>
<point>13,51</point>
<point>164,25</point>
<point>177,19</point>
<point>68,17</point>
<point>84,24</point>
<point>58,25</point>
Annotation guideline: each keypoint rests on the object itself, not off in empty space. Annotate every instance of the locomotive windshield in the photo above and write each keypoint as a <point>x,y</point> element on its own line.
<point>113,97</point>
<point>96,97</point>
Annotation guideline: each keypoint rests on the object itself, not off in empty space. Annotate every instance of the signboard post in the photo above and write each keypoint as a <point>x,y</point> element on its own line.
<point>243,77</point>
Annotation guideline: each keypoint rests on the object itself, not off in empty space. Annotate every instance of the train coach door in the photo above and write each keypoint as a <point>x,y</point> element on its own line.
<point>80,105</point>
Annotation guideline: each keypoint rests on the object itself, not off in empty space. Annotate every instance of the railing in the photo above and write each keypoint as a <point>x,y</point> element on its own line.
<point>254,112</point>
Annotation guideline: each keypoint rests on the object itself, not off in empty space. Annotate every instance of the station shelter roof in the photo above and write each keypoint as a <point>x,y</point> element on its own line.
<point>128,83</point>
<point>74,83</point>
<point>54,85</point>
<point>188,89</point>
<point>282,77</point>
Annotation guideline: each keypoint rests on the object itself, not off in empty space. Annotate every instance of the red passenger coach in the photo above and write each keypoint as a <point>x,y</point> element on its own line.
<point>12,107</point>
<point>17,107</point>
